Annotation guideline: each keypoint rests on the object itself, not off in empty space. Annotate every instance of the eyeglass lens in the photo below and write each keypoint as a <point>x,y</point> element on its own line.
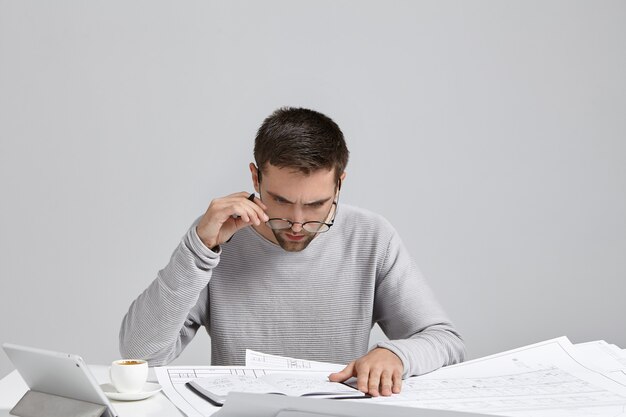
<point>311,227</point>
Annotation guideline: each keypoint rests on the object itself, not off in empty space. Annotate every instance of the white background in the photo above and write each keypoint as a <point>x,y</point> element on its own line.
<point>490,133</point>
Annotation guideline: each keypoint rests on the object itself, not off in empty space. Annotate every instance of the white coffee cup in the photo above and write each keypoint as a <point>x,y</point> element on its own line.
<point>129,375</point>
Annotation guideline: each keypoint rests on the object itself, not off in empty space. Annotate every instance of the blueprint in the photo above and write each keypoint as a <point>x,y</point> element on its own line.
<point>550,378</point>
<point>263,360</point>
<point>553,378</point>
<point>174,378</point>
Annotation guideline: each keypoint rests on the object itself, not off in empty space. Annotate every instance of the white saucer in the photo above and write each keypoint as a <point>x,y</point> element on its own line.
<point>148,391</point>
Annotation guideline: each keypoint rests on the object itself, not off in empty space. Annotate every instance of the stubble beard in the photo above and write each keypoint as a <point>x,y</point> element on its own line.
<point>290,246</point>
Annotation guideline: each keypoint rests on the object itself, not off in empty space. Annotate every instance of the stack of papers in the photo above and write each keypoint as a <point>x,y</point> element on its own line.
<point>304,375</point>
<point>215,389</point>
<point>553,378</point>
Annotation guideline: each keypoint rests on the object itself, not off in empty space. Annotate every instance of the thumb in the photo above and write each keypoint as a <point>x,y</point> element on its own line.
<point>344,374</point>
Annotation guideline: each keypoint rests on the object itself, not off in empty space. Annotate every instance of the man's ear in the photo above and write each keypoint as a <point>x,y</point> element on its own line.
<point>255,176</point>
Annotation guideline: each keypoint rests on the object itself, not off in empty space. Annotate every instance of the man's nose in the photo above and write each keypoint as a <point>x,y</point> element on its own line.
<point>298,219</point>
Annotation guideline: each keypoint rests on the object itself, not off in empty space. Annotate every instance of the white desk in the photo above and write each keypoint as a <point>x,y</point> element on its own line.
<point>12,387</point>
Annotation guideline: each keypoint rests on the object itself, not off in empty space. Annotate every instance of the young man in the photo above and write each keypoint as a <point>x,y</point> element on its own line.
<point>293,272</point>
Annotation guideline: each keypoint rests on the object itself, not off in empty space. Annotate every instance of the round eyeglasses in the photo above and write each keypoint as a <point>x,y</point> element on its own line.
<point>311,226</point>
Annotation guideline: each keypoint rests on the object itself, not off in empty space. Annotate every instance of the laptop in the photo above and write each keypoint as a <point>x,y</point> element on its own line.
<point>62,374</point>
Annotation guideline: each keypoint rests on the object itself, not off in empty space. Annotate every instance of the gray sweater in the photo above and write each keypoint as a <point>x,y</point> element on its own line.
<point>318,304</point>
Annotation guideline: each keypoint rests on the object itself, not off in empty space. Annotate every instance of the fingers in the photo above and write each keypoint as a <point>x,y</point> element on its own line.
<point>379,373</point>
<point>240,205</point>
<point>254,210</point>
<point>258,201</point>
<point>397,382</point>
<point>343,375</point>
<point>385,383</point>
<point>228,214</point>
<point>373,382</point>
<point>376,381</point>
<point>362,379</point>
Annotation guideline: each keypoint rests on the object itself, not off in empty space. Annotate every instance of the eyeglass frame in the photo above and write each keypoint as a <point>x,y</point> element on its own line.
<point>291,223</point>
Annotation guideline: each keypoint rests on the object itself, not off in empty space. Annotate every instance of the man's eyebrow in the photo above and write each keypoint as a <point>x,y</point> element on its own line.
<point>314,203</point>
<point>322,201</point>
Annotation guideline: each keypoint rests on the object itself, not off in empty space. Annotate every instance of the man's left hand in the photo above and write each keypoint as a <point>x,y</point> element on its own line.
<point>377,373</point>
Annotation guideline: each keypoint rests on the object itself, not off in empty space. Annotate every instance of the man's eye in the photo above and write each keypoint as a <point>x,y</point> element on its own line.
<point>316,205</point>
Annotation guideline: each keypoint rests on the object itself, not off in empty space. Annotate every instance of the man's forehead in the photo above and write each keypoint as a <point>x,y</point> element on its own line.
<point>269,168</point>
<point>322,176</point>
<point>293,185</point>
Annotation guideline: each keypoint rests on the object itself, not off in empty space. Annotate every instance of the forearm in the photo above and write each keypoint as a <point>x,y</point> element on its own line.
<point>157,325</point>
<point>426,351</point>
<point>421,333</point>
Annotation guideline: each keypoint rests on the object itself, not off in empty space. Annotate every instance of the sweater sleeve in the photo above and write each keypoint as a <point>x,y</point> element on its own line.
<point>420,333</point>
<point>165,317</point>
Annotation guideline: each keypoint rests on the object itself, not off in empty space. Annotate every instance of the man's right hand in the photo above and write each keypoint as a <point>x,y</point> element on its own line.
<point>226,215</point>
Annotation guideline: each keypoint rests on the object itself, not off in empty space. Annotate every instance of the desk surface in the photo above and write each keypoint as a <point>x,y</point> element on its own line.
<point>12,387</point>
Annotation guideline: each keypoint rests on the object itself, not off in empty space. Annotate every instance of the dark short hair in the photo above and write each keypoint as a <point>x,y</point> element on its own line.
<point>302,139</point>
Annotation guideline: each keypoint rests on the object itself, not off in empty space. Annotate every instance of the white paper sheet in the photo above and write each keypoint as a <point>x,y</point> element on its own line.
<point>545,379</point>
<point>258,405</point>
<point>293,384</point>
<point>548,379</point>
<point>265,361</point>
<point>174,378</point>
<point>608,357</point>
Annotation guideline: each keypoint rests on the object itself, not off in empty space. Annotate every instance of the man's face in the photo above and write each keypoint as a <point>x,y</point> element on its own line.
<point>292,195</point>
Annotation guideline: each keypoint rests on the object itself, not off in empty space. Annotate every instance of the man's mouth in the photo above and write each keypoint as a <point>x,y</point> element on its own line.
<point>294,238</point>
